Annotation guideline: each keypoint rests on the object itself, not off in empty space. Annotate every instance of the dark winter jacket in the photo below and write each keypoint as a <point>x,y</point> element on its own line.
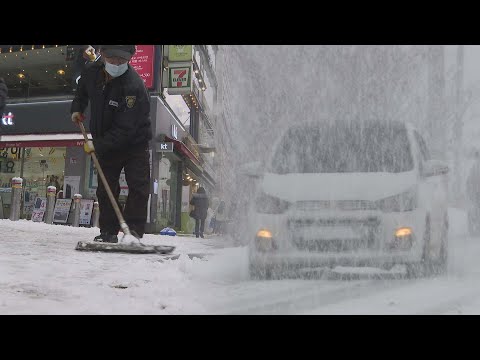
<point>120,109</point>
<point>201,203</point>
<point>3,95</point>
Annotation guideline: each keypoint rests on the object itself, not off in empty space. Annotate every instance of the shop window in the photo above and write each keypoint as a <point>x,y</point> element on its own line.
<point>9,168</point>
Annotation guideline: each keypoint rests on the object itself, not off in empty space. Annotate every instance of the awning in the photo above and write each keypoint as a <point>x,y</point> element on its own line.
<point>44,140</point>
<point>183,149</point>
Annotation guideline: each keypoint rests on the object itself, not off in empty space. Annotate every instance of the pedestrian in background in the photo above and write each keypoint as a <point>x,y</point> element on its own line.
<point>201,203</point>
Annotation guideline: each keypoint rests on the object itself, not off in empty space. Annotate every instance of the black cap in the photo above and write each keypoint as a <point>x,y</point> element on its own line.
<point>123,51</point>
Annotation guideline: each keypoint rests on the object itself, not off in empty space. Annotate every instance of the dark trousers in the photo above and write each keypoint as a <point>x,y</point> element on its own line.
<point>199,223</point>
<point>137,173</point>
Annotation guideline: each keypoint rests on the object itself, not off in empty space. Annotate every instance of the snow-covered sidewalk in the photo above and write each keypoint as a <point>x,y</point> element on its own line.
<point>41,273</point>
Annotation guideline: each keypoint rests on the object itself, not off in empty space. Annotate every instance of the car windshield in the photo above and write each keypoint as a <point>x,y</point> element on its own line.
<point>344,148</point>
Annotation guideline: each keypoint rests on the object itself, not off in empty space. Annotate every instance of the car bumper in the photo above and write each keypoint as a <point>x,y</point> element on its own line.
<point>301,259</point>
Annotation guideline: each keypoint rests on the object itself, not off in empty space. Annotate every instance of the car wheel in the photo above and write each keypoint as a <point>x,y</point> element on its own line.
<point>435,266</point>
<point>442,265</point>
<point>424,268</point>
<point>473,222</point>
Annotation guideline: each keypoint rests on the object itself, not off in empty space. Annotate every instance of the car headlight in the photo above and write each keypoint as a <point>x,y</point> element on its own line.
<point>267,204</point>
<point>406,201</point>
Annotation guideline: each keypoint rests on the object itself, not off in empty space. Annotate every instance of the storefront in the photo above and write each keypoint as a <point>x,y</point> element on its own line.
<point>176,174</point>
<point>43,147</point>
<point>39,143</point>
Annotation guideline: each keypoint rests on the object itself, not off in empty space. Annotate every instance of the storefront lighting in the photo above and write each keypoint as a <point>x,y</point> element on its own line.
<point>33,47</point>
<point>10,50</point>
<point>21,48</point>
<point>43,46</point>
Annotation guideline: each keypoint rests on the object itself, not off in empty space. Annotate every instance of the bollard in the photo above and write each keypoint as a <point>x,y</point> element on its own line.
<point>16,199</point>
<point>77,198</point>
<point>95,214</point>
<point>51,192</point>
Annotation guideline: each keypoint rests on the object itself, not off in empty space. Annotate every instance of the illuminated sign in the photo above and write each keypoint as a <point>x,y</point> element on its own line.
<point>174,132</point>
<point>7,119</point>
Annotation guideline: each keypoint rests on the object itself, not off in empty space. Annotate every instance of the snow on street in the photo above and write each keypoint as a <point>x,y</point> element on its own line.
<point>41,273</point>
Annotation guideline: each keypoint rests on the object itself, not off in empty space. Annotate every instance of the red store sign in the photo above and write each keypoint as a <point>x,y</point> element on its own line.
<point>142,62</point>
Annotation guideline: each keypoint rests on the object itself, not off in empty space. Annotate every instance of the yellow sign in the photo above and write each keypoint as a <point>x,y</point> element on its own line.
<point>180,52</point>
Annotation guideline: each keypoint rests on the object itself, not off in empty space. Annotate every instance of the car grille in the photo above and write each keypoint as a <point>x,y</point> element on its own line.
<point>334,234</point>
<point>336,205</point>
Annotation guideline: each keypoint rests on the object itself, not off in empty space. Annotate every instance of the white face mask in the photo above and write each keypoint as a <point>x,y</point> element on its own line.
<point>115,70</point>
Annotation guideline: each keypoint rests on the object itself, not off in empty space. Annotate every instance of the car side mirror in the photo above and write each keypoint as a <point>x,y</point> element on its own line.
<point>434,168</point>
<point>252,169</point>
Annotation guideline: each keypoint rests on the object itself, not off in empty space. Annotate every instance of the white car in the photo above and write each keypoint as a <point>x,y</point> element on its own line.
<point>349,197</point>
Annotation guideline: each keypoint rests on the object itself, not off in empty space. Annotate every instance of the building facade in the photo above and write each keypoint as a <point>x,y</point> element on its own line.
<point>39,143</point>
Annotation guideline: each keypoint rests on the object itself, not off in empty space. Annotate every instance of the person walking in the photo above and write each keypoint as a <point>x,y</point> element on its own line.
<point>201,203</point>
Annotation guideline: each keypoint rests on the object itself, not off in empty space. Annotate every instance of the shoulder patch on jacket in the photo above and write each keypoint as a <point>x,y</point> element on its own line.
<point>130,101</point>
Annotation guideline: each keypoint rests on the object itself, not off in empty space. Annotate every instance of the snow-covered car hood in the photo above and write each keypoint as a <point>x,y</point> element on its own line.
<point>345,186</point>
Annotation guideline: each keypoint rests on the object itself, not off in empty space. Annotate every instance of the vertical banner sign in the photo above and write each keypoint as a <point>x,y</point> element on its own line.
<point>142,62</point>
<point>71,186</point>
<point>123,184</point>
<point>185,198</point>
<point>39,208</point>
<point>61,210</point>
<point>86,210</point>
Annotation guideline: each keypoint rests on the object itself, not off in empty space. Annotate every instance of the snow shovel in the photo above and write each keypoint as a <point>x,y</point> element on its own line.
<point>129,243</point>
